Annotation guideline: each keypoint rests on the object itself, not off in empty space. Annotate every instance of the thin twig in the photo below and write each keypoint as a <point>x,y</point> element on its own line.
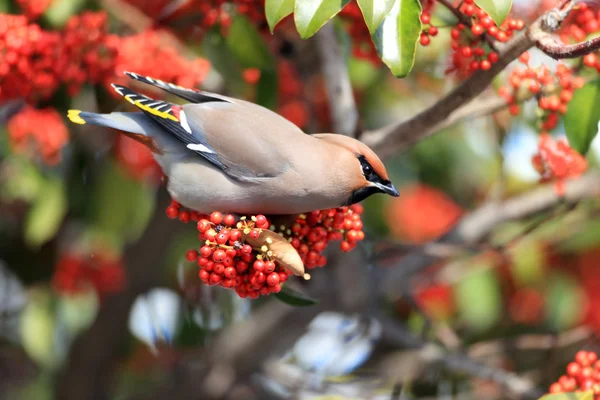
<point>476,225</point>
<point>339,90</point>
<point>398,136</point>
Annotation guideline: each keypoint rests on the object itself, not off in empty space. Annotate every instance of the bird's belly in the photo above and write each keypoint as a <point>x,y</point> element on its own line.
<point>206,189</point>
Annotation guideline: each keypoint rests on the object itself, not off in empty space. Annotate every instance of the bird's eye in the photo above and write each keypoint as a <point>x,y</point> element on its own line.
<point>367,169</point>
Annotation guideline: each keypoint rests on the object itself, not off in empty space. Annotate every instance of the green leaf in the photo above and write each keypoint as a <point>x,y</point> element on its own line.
<point>582,117</point>
<point>396,38</point>
<point>497,9</point>
<point>569,396</point>
<point>276,10</point>
<point>247,45</point>
<point>46,214</point>
<point>374,12</point>
<point>478,298</point>
<point>59,12</point>
<point>294,298</point>
<point>311,15</point>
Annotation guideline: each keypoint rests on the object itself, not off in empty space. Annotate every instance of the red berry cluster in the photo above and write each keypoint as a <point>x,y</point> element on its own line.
<point>543,84</point>
<point>88,52</point>
<point>470,49</point>
<point>34,8</point>
<point>27,59</point>
<point>311,233</point>
<point>174,210</point>
<point>75,273</point>
<point>583,375</point>
<point>226,241</point>
<point>156,60</point>
<point>581,22</point>
<point>227,260</point>
<point>556,160</point>
<point>38,132</point>
<point>137,159</point>
<point>34,62</point>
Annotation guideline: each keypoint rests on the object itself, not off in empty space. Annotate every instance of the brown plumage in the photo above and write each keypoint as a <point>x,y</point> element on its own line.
<point>231,155</point>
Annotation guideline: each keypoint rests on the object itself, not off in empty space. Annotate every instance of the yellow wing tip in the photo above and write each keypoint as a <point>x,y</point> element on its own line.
<point>73,115</point>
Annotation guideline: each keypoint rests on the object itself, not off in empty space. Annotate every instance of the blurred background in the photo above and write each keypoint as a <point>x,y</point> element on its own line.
<point>98,301</point>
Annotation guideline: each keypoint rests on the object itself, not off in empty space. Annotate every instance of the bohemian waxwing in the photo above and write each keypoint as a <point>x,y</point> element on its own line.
<point>231,155</point>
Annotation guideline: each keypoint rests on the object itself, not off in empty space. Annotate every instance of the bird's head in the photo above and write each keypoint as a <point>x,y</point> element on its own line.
<point>367,174</point>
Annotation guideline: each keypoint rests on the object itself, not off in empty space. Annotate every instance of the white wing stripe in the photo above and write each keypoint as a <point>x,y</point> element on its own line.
<point>199,147</point>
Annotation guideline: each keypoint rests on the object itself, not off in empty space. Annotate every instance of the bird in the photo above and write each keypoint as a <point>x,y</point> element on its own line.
<point>219,153</point>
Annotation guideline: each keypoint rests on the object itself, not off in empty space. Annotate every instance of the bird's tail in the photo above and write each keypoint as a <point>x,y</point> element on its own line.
<point>136,125</point>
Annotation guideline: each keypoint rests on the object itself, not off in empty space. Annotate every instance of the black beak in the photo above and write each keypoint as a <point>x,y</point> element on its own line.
<point>388,188</point>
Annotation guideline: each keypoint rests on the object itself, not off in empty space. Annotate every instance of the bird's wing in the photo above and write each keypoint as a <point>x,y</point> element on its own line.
<point>191,95</point>
<point>170,118</point>
<point>242,139</point>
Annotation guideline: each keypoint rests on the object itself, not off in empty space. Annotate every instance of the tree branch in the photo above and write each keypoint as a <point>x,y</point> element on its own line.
<point>339,90</point>
<point>428,353</point>
<point>398,136</point>
<point>476,225</point>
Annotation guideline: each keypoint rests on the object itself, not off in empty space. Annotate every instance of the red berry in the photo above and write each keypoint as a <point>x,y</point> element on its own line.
<point>273,279</point>
<point>216,218</point>
<point>424,39</point>
<point>261,221</point>
<point>172,212</point>
<point>455,34</point>
<point>581,358</point>
<point>222,237</point>
<point>589,60</point>
<point>229,220</point>
<point>230,272</point>
<point>191,255</point>
<point>346,246</point>
<point>219,255</point>
<point>219,268</point>
<point>269,267</point>
<point>203,225</point>
<point>206,251</point>
<point>241,266</point>
<point>259,266</point>
<point>477,29</point>
<point>425,18</point>
<point>254,234</point>
<point>184,216</point>
<point>493,57</point>
<point>556,388</point>
<point>235,235</point>
<point>202,261</point>
<point>214,278</point>
<point>573,369</point>
<point>433,31</point>
<point>486,22</point>
<point>204,275</point>
<point>485,65</point>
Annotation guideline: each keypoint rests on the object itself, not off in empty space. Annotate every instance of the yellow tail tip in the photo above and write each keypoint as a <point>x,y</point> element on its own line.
<point>73,115</point>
